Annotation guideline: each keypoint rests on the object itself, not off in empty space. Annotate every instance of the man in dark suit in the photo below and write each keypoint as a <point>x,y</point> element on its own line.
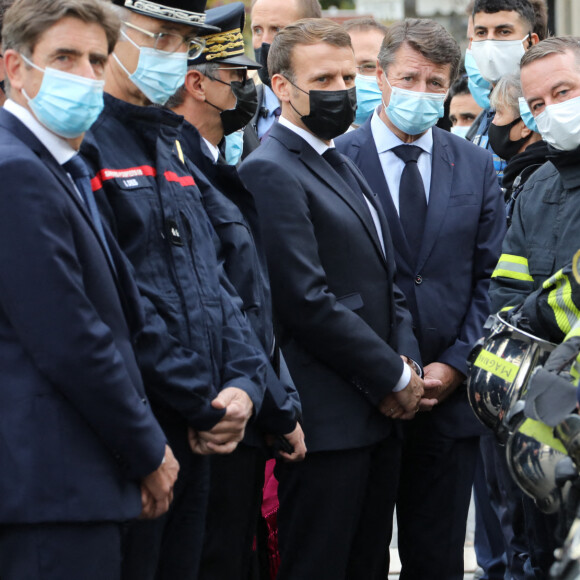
<point>80,449</point>
<point>342,319</point>
<point>445,213</point>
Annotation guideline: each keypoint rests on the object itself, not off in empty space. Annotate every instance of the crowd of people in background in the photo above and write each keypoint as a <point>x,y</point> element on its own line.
<point>238,296</point>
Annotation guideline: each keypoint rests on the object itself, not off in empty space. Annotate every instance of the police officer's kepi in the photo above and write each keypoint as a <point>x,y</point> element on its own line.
<point>226,46</point>
<point>190,12</point>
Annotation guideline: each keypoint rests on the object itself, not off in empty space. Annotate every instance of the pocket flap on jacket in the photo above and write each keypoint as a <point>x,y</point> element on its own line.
<point>351,301</point>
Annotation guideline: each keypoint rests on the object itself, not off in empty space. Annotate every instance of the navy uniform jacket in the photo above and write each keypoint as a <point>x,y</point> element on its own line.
<point>195,341</point>
<point>447,289</point>
<point>342,319</point>
<point>76,430</point>
<point>232,211</point>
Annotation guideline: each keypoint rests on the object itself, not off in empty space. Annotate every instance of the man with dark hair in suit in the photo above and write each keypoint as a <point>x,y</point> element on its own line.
<point>445,212</point>
<point>80,449</point>
<point>342,319</point>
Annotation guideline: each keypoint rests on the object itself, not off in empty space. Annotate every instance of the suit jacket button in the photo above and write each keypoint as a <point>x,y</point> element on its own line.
<point>418,279</point>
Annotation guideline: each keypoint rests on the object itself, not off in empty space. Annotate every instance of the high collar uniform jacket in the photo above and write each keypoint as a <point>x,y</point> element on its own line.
<point>195,340</point>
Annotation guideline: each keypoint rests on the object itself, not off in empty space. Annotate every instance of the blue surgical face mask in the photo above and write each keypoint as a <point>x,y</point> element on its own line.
<point>158,74</point>
<point>368,97</point>
<point>527,116</point>
<point>478,86</point>
<point>234,147</point>
<point>414,112</point>
<point>460,130</point>
<point>66,104</point>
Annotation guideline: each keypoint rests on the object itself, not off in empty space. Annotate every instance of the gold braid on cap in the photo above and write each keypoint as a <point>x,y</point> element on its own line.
<point>224,44</point>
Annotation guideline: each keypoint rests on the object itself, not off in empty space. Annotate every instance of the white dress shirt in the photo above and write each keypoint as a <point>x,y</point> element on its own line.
<point>56,145</point>
<point>320,147</point>
<point>385,140</point>
<point>60,149</point>
<point>213,149</point>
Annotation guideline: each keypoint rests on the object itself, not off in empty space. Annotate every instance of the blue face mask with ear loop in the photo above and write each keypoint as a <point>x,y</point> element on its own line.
<point>527,116</point>
<point>66,104</point>
<point>368,97</point>
<point>414,112</point>
<point>234,147</point>
<point>478,86</point>
<point>158,74</point>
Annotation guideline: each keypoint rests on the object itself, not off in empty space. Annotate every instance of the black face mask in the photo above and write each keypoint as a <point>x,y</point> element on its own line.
<point>499,139</point>
<point>246,106</point>
<point>262,58</point>
<point>2,86</point>
<point>331,112</point>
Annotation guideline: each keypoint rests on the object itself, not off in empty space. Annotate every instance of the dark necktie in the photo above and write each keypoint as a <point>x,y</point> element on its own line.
<point>340,165</point>
<point>335,159</point>
<point>79,171</point>
<point>277,113</point>
<point>412,198</point>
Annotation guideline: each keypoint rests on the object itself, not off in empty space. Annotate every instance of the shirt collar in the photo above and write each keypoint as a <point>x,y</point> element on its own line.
<point>214,151</point>
<point>58,147</point>
<point>271,101</point>
<point>316,143</point>
<point>386,140</point>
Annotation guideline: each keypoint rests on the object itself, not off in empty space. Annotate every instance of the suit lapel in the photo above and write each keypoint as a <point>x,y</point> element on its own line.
<point>17,128</point>
<point>319,167</point>
<point>440,190</point>
<point>375,202</point>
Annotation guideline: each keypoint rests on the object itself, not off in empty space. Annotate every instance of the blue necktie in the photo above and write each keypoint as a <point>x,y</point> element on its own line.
<point>79,171</point>
<point>412,197</point>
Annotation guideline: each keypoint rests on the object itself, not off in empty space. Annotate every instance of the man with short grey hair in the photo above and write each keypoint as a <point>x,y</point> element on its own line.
<point>204,376</point>
<point>445,212</point>
<point>544,232</point>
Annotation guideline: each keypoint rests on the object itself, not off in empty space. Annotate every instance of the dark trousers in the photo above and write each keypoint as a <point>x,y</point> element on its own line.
<point>336,513</point>
<point>437,474</point>
<point>507,501</point>
<point>236,483</point>
<point>488,543</point>
<point>60,552</point>
<point>543,536</point>
<point>169,548</point>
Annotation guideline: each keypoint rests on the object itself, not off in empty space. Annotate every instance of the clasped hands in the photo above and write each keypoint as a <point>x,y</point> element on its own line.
<point>224,437</point>
<point>440,380</point>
